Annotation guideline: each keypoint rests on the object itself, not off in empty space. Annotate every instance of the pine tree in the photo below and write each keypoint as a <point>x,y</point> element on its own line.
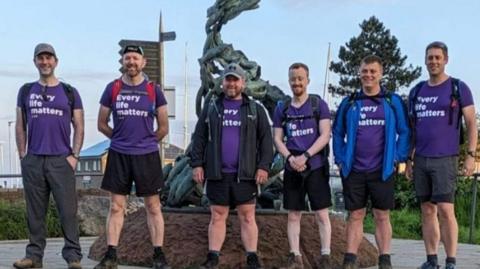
<point>373,40</point>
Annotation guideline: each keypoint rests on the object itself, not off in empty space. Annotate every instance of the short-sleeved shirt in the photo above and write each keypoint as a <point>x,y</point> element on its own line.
<point>231,135</point>
<point>133,118</point>
<point>434,136</point>
<point>49,118</point>
<point>302,133</point>
<point>370,140</point>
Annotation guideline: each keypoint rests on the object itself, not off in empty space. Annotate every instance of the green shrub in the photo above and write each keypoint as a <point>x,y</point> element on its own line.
<point>13,221</point>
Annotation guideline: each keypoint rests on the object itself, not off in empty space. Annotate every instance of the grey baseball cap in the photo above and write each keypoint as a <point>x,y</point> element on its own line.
<point>44,48</point>
<point>235,70</point>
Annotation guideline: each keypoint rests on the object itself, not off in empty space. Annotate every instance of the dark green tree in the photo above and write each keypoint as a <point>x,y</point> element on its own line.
<point>373,40</point>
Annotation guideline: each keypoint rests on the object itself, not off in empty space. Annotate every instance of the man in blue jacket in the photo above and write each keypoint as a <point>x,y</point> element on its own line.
<point>370,136</point>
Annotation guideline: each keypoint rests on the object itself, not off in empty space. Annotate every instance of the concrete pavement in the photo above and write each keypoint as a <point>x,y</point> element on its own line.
<point>405,254</point>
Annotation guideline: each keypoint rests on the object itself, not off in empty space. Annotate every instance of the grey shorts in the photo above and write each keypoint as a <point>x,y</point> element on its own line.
<point>435,179</point>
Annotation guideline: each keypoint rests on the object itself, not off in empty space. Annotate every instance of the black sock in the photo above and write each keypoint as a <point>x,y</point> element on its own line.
<point>433,259</point>
<point>111,251</point>
<point>214,252</point>
<point>451,260</point>
<point>157,251</point>
<point>349,258</point>
<point>251,253</point>
<point>384,259</point>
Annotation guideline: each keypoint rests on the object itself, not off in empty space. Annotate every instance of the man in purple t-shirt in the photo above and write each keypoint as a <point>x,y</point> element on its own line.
<point>370,136</point>
<point>307,132</point>
<point>435,109</point>
<point>232,153</point>
<point>135,104</point>
<point>45,111</point>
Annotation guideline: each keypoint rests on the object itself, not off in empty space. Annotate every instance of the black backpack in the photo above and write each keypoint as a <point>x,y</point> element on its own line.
<point>455,99</point>
<point>314,100</point>
<point>25,91</point>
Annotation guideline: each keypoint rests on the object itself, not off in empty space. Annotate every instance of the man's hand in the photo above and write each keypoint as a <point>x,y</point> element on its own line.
<point>297,165</point>
<point>409,170</point>
<point>197,175</point>
<point>72,161</point>
<point>261,176</point>
<point>469,166</point>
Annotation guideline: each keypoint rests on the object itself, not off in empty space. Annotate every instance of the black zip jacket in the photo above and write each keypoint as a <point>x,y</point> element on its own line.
<point>256,145</point>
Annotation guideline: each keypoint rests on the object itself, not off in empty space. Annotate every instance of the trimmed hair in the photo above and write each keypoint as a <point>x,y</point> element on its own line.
<point>300,65</point>
<point>438,45</point>
<point>372,59</point>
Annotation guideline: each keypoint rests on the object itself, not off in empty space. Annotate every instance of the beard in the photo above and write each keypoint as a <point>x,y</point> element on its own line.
<point>132,71</point>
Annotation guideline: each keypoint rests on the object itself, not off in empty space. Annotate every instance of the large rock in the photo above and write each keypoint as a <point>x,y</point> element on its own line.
<point>186,241</point>
<point>93,211</point>
<point>92,214</point>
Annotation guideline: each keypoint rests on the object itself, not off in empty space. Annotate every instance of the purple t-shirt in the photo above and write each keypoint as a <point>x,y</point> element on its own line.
<point>433,135</point>
<point>369,144</point>
<point>133,118</point>
<point>49,119</point>
<point>302,133</point>
<point>231,135</point>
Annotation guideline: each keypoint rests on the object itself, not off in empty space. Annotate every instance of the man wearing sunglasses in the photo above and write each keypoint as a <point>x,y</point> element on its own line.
<point>46,110</point>
<point>135,104</point>
<point>436,108</point>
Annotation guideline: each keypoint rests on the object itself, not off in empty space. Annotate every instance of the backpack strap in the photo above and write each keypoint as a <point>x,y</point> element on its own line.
<point>69,92</point>
<point>24,93</point>
<point>412,101</point>
<point>253,109</point>
<point>116,88</point>
<point>152,96</point>
<point>455,100</point>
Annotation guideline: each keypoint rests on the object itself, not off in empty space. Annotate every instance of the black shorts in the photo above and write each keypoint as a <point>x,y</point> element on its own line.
<point>358,187</point>
<point>435,179</point>
<point>296,186</point>
<point>230,192</point>
<point>124,169</point>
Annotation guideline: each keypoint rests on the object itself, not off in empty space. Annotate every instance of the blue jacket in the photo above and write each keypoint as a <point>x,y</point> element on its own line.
<point>397,133</point>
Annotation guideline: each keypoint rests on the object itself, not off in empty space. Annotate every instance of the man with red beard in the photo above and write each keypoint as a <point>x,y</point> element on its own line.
<point>305,169</point>
<point>232,153</point>
<point>133,156</point>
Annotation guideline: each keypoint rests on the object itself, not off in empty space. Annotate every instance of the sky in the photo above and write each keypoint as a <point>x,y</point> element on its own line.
<point>86,33</point>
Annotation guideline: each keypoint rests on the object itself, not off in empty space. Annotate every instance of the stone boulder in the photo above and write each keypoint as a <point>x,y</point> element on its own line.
<point>92,214</point>
<point>186,241</point>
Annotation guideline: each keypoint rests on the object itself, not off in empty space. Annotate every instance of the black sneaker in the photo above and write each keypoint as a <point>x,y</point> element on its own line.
<point>107,262</point>
<point>253,262</point>
<point>211,262</point>
<point>429,265</point>
<point>159,261</point>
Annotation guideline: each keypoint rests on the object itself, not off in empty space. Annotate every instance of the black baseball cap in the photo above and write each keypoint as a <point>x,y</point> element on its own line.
<point>133,48</point>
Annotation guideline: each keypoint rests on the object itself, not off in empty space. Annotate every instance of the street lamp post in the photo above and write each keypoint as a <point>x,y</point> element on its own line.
<point>10,146</point>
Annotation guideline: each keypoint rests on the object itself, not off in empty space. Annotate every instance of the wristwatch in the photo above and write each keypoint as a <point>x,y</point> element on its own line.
<point>471,153</point>
<point>307,155</point>
<point>76,155</point>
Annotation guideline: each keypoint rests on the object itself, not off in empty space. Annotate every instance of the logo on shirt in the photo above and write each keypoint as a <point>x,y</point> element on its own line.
<point>422,110</point>
<point>228,114</point>
<point>122,106</point>
<point>366,121</point>
<point>37,102</point>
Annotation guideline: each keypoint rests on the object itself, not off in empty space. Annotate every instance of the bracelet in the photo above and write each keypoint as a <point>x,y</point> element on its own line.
<point>288,157</point>
<point>75,155</point>
<point>471,153</point>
